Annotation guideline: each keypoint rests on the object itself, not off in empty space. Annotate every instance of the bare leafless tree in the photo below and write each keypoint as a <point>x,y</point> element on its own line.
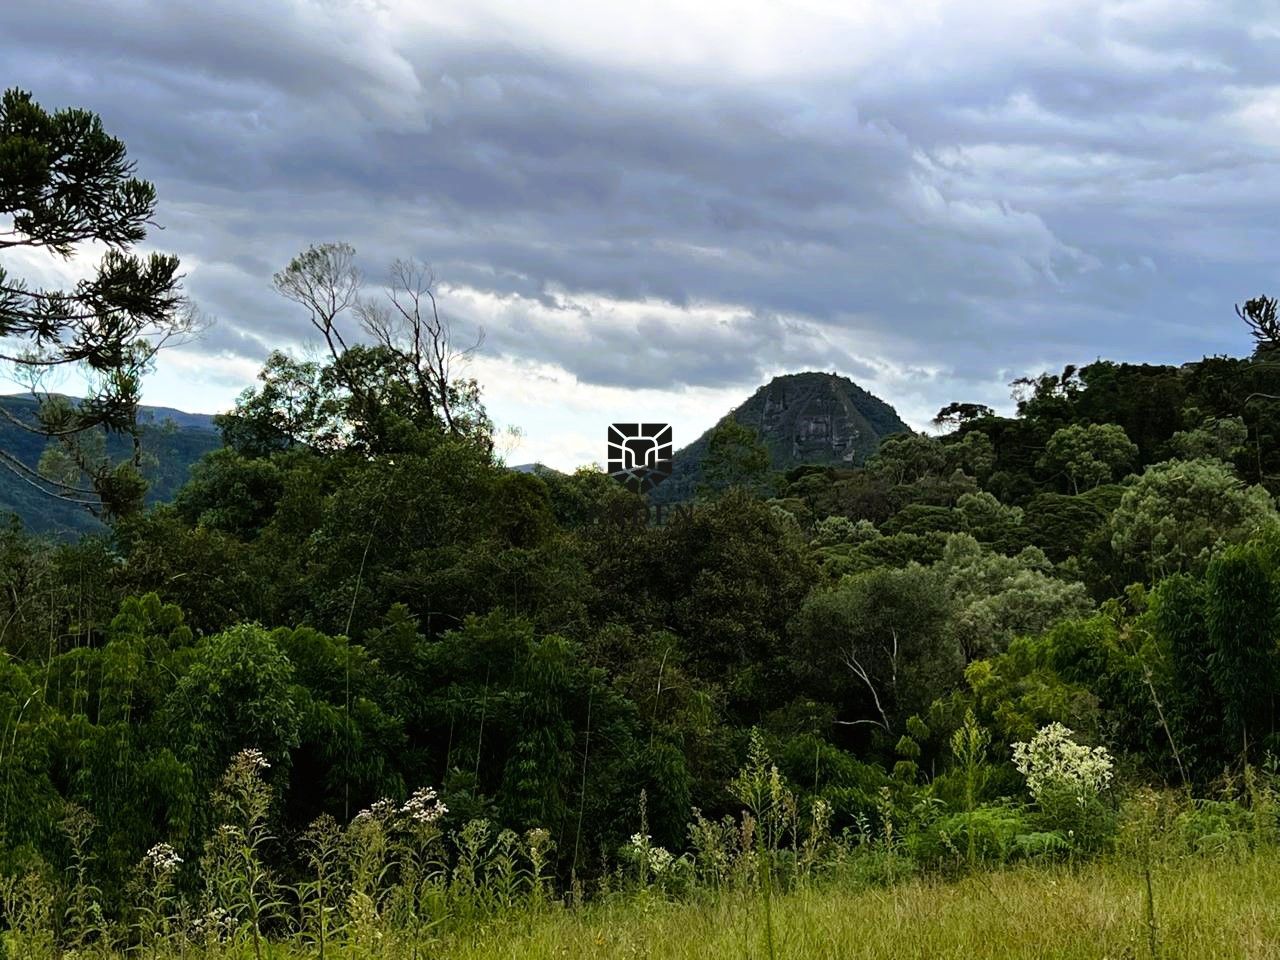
<point>405,323</point>
<point>409,326</point>
<point>856,667</point>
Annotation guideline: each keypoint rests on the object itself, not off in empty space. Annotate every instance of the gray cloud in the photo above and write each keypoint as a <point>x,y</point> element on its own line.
<point>971,205</point>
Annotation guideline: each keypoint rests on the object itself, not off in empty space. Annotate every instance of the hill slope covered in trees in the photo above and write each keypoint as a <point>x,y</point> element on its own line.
<point>172,441</point>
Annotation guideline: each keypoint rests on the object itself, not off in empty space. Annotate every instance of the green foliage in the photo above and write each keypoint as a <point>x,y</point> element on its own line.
<point>959,413</point>
<point>1000,597</point>
<point>733,573</point>
<point>1242,614</point>
<point>988,520</point>
<point>986,835</point>
<point>295,406</point>
<point>923,518</point>
<point>880,641</point>
<point>1213,439</point>
<point>357,588</point>
<point>1178,613</point>
<point>835,530</point>
<point>864,678</point>
<point>1179,512</point>
<point>1020,691</point>
<point>237,691</point>
<point>877,552</point>
<point>1063,525</point>
<point>736,457</point>
<point>231,493</point>
<point>1088,455</point>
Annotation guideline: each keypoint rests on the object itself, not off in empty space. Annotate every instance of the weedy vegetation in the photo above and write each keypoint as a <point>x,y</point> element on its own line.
<point>1155,874</point>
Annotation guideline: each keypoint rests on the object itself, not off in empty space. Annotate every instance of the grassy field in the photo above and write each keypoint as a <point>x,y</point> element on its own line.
<point>1223,908</point>
<point>1204,909</point>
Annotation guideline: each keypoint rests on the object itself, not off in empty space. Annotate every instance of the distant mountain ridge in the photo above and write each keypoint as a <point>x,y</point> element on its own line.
<point>179,418</point>
<point>812,417</point>
<point>172,440</point>
<point>158,416</point>
<point>808,417</point>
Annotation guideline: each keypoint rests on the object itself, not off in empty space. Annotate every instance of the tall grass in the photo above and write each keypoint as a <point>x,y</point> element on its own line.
<point>1212,908</point>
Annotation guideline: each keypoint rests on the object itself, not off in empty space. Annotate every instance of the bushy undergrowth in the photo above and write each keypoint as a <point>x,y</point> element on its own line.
<point>402,880</point>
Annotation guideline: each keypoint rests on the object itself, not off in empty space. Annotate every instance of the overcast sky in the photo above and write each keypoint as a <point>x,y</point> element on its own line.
<point>651,208</point>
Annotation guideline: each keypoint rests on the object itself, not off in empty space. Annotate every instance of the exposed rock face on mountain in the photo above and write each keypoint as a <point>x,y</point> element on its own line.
<point>818,418</point>
<point>802,418</point>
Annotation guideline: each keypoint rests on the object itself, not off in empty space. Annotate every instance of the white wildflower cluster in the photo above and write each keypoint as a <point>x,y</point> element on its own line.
<point>379,810</point>
<point>659,859</point>
<point>162,858</point>
<point>250,760</point>
<point>423,808</point>
<point>216,926</point>
<point>538,843</point>
<point>1053,760</point>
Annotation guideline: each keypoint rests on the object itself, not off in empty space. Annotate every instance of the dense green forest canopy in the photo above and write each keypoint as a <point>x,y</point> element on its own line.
<point>371,599</point>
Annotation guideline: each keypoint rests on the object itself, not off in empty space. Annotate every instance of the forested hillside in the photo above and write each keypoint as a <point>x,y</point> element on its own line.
<point>172,440</point>
<point>800,418</point>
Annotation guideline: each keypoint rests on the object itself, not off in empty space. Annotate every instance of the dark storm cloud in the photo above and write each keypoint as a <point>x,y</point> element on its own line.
<point>968,207</point>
